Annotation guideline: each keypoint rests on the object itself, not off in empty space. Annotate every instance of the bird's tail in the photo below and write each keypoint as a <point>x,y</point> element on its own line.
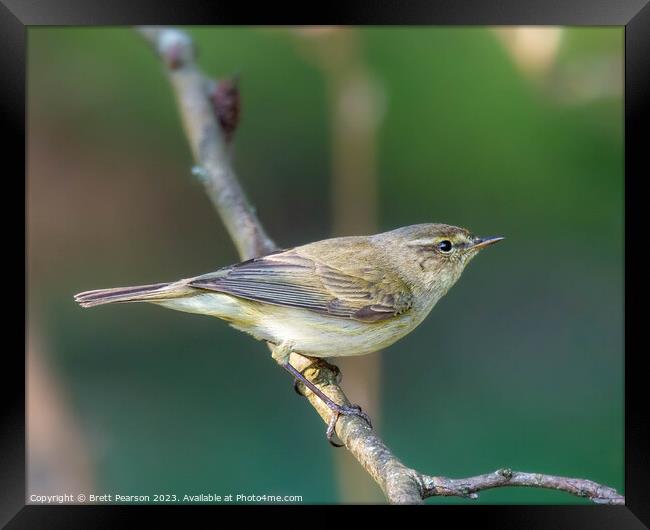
<point>140,293</point>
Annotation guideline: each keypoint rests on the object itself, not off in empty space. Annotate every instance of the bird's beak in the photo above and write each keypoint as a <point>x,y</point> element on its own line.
<point>481,242</point>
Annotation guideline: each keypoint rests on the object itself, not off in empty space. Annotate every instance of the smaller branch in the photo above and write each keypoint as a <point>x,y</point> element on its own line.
<point>403,485</point>
<point>468,487</point>
<point>207,140</point>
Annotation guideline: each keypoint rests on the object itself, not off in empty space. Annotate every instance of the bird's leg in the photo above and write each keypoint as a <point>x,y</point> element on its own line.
<point>337,409</point>
<point>281,353</point>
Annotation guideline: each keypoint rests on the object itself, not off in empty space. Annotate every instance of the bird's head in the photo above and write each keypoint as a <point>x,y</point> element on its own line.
<point>434,255</point>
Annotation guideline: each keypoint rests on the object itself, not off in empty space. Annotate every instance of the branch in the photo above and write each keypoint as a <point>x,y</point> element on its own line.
<point>400,484</point>
<point>207,141</point>
<point>467,487</point>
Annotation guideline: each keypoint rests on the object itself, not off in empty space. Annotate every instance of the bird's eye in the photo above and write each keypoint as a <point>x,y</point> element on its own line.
<point>445,246</point>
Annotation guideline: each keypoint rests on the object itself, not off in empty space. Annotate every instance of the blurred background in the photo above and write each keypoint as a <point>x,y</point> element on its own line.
<point>508,131</point>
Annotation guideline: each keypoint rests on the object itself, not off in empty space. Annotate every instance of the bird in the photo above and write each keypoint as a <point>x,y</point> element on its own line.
<point>336,297</point>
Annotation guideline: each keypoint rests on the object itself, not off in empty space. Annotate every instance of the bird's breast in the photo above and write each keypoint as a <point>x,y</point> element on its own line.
<point>317,335</point>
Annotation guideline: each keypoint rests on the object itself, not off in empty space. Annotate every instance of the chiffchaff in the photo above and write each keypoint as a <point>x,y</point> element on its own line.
<point>336,297</point>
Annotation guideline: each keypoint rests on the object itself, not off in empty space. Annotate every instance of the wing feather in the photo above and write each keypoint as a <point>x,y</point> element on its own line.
<point>292,279</point>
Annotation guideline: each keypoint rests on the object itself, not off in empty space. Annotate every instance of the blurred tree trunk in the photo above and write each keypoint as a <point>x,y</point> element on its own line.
<point>355,106</point>
<point>58,459</point>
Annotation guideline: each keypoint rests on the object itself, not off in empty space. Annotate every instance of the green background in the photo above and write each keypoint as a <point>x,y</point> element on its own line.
<point>520,365</point>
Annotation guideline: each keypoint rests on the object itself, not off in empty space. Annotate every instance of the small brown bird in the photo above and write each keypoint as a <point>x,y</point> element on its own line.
<point>336,297</point>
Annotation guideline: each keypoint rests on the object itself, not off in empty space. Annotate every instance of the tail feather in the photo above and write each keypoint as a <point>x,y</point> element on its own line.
<point>138,293</point>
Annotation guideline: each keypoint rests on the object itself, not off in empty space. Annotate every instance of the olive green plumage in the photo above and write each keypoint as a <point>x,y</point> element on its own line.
<point>340,296</point>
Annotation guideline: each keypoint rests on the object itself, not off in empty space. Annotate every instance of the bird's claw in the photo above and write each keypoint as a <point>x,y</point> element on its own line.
<point>297,386</point>
<point>338,376</point>
<point>352,410</point>
<point>330,433</point>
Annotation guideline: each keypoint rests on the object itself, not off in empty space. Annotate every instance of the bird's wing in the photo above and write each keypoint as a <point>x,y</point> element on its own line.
<point>294,278</point>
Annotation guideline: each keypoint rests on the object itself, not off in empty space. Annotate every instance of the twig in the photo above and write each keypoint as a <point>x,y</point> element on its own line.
<point>468,487</point>
<point>206,139</point>
<point>400,484</point>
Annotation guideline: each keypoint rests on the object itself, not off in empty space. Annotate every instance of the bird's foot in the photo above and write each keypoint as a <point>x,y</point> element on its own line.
<point>338,410</point>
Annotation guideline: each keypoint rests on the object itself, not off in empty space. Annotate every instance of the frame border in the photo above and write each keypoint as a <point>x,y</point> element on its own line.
<point>634,15</point>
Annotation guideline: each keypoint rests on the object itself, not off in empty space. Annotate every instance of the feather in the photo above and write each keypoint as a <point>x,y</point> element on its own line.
<point>295,278</point>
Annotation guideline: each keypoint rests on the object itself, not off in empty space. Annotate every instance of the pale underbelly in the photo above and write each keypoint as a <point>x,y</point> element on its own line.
<point>308,332</point>
<point>318,335</point>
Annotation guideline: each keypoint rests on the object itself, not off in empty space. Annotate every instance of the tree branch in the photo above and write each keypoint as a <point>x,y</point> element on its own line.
<point>468,487</point>
<point>207,141</point>
<point>400,484</point>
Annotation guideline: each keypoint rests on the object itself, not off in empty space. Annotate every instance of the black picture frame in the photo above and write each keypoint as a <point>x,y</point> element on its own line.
<point>17,15</point>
